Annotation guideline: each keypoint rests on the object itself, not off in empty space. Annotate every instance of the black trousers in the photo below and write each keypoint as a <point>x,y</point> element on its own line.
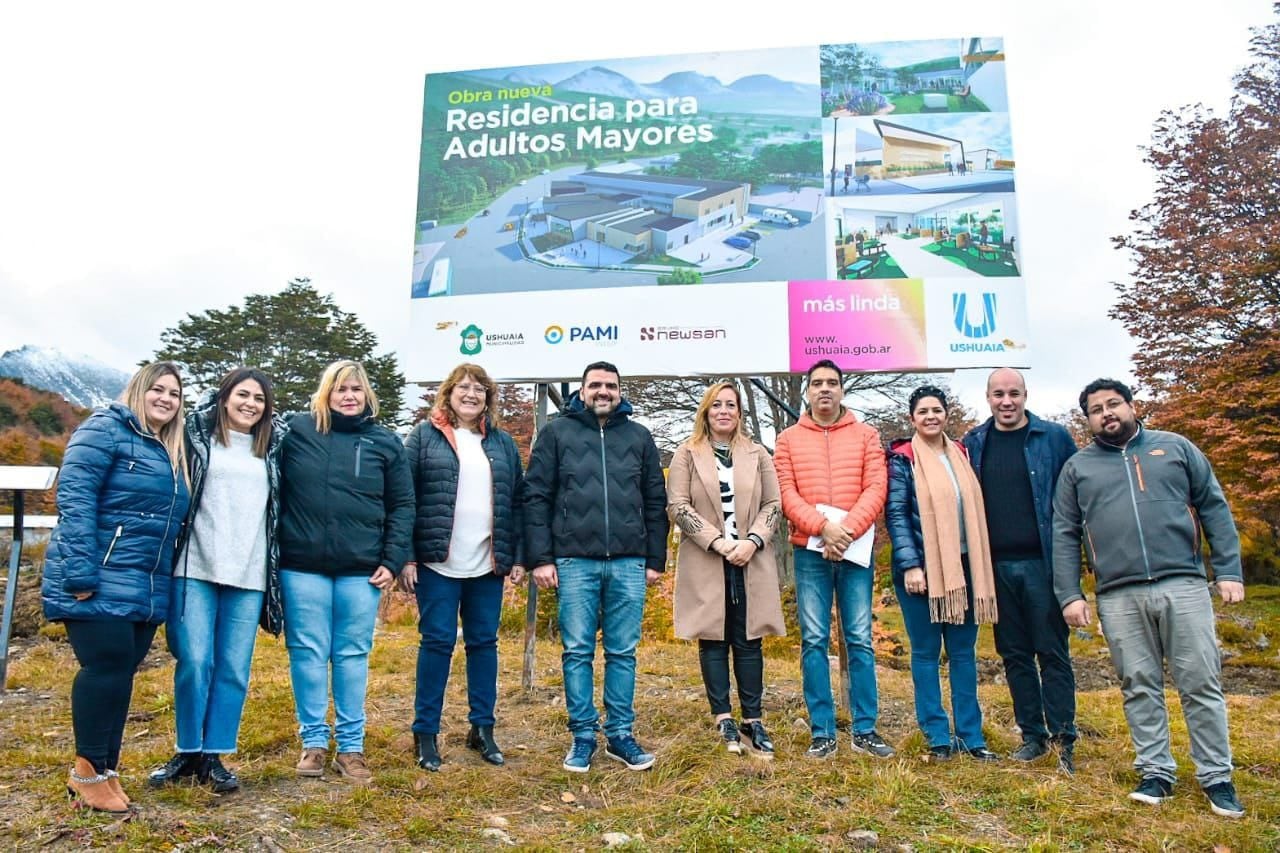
<point>748,659</point>
<point>109,653</point>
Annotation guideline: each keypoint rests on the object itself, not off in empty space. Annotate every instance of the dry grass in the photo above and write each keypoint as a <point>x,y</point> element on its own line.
<point>695,797</point>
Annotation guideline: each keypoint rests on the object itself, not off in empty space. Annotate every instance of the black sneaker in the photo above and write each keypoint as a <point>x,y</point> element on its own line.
<point>942,752</point>
<point>181,766</point>
<point>872,744</point>
<point>729,734</point>
<point>1067,758</point>
<point>981,753</point>
<point>822,747</point>
<point>1031,749</point>
<point>755,735</point>
<point>1223,800</point>
<point>1152,790</point>
<point>625,749</point>
<point>212,772</point>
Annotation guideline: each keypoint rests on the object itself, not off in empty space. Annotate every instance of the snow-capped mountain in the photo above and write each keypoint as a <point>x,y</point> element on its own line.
<point>690,83</point>
<point>598,80</point>
<point>522,77</point>
<point>78,378</point>
<point>757,93</point>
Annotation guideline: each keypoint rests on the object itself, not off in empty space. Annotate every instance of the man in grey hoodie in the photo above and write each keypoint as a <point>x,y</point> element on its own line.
<point>1138,499</point>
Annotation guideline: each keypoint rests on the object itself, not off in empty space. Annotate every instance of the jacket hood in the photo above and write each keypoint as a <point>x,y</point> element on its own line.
<point>575,407</point>
<point>120,412</point>
<point>902,447</point>
<point>1134,439</point>
<point>807,421</point>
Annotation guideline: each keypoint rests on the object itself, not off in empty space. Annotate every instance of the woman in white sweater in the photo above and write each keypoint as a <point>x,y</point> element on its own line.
<point>226,566</point>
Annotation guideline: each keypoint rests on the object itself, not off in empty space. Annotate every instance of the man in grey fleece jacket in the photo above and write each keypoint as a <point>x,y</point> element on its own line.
<point>1138,500</point>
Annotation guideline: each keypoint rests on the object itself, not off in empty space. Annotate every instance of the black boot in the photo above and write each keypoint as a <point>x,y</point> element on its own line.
<point>213,773</point>
<point>428,753</point>
<point>480,738</point>
<point>182,765</point>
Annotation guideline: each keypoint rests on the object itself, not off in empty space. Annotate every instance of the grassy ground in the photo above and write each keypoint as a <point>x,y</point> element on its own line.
<point>695,797</point>
<point>914,103</point>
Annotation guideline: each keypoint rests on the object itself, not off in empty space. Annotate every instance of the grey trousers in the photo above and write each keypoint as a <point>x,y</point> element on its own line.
<point>1170,619</point>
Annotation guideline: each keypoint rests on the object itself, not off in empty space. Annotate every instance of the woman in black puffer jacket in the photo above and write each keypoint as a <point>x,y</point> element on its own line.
<point>467,538</point>
<point>346,522</point>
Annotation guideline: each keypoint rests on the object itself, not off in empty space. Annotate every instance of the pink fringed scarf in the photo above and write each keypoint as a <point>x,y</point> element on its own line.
<point>940,526</point>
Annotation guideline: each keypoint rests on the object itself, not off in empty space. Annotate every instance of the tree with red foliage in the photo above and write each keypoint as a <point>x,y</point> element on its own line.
<point>1205,298</point>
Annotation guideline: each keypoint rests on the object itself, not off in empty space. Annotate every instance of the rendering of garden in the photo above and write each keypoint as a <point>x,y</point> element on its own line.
<point>936,76</point>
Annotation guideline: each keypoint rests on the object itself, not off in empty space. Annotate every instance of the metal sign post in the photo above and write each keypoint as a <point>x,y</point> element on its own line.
<point>19,478</point>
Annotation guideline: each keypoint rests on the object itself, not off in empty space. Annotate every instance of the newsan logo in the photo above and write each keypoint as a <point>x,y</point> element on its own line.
<point>975,331</point>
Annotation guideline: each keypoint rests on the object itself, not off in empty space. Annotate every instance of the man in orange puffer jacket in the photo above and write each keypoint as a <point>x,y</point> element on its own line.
<point>830,459</point>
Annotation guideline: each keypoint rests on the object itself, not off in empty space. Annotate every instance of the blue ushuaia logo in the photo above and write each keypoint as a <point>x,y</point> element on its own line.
<point>553,334</point>
<point>960,306</point>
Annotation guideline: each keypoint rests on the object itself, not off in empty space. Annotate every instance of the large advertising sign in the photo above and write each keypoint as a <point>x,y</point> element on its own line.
<point>724,213</point>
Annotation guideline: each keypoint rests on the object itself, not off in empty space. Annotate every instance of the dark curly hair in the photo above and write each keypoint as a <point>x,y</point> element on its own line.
<point>928,391</point>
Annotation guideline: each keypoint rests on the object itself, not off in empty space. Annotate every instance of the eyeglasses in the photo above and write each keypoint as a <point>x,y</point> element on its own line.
<point>478,390</point>
<point>1111,405</point>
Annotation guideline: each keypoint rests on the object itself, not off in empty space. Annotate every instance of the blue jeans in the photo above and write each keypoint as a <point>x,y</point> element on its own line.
<point>328,623</point>
<point>440,601</point>
<point>927,639</point>
<point>595,595</point>
<point>211,632</point>
<point>1031,631</point>
<point>817,581</point>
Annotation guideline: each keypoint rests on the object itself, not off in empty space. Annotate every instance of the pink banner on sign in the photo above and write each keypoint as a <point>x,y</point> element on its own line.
<point>860,325</point>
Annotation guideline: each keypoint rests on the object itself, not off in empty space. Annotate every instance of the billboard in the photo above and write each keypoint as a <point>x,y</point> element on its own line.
<point>722,213</point>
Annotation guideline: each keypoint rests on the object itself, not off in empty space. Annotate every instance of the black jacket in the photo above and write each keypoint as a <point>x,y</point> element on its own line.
<point>346,497</point>
<point>595,492</point>
<point>433,459</point>
<point>199,434</point>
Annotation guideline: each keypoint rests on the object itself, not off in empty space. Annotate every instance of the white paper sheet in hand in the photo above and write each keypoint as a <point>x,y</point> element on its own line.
<point>859,550</point>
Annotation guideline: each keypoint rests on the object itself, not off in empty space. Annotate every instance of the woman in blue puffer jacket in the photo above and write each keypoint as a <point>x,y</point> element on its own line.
<point>122,497</point>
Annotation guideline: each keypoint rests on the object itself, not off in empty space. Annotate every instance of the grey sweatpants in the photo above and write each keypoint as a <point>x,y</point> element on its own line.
<point>1169,619</point>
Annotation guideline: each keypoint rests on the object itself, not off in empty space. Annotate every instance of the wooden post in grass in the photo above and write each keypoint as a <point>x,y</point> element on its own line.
<point>541,399</point>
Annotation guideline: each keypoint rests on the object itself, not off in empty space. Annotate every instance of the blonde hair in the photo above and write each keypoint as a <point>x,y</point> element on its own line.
<point>171,435</point>
<point>333,376</point>
<point>702,419</point>
<point>462,371</point>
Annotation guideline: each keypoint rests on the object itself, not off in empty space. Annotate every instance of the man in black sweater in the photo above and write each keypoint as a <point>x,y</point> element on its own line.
<point>1017,457</point>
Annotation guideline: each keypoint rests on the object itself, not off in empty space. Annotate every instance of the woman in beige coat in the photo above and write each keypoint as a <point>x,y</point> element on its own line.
<point>723,494</point>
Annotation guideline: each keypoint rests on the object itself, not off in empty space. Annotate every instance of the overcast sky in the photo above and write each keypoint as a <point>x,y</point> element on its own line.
<point>164,158</point>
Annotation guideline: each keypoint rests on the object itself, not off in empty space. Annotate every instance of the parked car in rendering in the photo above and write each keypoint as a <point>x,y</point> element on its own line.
<point>738,242</point>
<point>750,235</point>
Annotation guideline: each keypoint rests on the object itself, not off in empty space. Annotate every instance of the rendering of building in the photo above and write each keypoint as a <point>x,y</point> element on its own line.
<point>642,214</point>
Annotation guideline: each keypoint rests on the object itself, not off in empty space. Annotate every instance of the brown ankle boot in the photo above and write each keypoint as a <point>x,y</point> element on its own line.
<point>94,789</point>
<point>113,782</point>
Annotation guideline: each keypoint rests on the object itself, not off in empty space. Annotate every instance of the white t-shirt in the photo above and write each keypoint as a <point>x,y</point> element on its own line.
<point>471,544</point>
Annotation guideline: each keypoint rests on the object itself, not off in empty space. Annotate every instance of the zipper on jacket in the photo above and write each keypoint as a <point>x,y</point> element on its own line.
<point>831,484</point>
<point>359,447</point>
<point>604,480</point>
<point>112,546</point>
<point>1137,518</point>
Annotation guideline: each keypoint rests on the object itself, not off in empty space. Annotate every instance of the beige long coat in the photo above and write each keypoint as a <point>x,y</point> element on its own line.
<point>693,495</point>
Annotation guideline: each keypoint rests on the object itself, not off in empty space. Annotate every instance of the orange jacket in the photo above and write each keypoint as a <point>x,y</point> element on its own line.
<point>842,465</point>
